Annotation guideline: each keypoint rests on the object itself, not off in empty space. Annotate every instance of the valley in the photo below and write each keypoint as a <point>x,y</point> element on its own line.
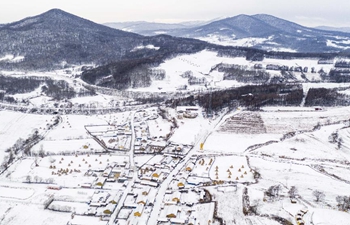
<point>116,128</point>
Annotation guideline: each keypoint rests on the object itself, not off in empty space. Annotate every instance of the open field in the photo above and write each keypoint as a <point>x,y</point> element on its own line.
<point>14,126</point>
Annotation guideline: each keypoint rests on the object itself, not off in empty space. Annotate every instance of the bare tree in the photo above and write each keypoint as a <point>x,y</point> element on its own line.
<point>37,179</point>
<point>29,179</point>
<point>41,151</point>
<point>50,180</point>
<point>293,191</point>
<point>319,195</point>
<point>343,202</point>
<point>273,191</point>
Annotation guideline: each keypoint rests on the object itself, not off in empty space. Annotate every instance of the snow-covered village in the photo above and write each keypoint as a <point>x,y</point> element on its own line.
<point>172,165</point>
<point>240,121</point>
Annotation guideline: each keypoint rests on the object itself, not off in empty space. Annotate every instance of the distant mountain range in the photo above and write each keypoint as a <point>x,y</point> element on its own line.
<point>152,28</point>
<point>258,31</point>
<point>340,29</point>
<point>57,39</point>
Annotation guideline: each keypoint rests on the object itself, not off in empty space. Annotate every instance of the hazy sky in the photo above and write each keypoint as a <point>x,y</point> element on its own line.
<point>305,12</point>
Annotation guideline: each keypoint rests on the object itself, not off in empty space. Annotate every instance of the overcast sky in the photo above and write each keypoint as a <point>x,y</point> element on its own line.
<point>305,12</point>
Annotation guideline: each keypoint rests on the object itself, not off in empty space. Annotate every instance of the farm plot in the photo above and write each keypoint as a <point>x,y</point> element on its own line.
<point>72,127</point>
<point>312,145</point>
<point>202,167</point>
<point>20,193</point>
<point>114,137</point>
<point>288,119</point>
<point>66,147</point>
<point>341,172</point>
<point>76,207</point>
<point>229,206</point>
<point>326,216</point>
<point>244,123</point>
<point>204,213</point>
<point>303,177</point>
<point>190,130</point>
<point>14,125</point>
<point>68,171</point>
<point>219,142</point>
<point>159,128</point>
<point>17,213</point>
<point>238,132</point>
<point>69,137</point>
<point>231,168</point>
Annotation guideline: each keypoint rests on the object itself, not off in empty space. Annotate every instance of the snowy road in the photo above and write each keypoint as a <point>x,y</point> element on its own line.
<point>163,187</point>
<point>131,182</point>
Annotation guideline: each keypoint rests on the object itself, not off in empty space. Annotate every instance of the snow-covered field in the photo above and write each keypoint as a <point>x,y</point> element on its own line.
<point>201,66</point>
<point>13,214</point>
<point>198,64</point>
<point>15,125</point>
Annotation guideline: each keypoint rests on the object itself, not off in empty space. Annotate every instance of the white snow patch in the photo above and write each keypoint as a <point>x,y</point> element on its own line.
<point>160,32</point>
<point>145,47</point>
<point>334,45</point>
<point>12,58</point>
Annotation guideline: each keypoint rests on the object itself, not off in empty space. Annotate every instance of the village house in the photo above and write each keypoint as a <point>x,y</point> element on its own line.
<point>157,146</point>
<point>189,167</point>
<point>139,210</point>
<point>99,199</point>
<point>149,183</point>
<point>172,211</point>
<point>142,199</point>
<point>107,210</point>
<point>181,183</point>
<point>176,197</point>
<point>182,109</point>
<point>100,182</point>
<point>146,191</point>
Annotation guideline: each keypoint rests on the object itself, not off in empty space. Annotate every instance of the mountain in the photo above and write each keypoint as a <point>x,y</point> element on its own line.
<point>151,28</point>
<point>340,29</point>
<point>259,31</point>
<point>57,39</point>
<point>144,28</point>
<point>57,36</point>
<point>267,32</point>
<point>236,27</point>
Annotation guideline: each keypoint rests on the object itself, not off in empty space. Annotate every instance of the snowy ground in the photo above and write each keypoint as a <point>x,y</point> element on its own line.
<point>15,125</point>
<point>308,158</point>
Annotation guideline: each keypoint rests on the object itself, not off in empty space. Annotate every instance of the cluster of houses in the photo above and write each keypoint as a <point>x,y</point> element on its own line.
<point>112,137</point>
<point>137,205</point>
<point>285,68</point>
<point>100,208</point>
<point>145,143</point>
<point>179,206</point>
<point>176,150</point>
<point>190,112</point>
<point>153,174</point>
<point>114,172</point>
